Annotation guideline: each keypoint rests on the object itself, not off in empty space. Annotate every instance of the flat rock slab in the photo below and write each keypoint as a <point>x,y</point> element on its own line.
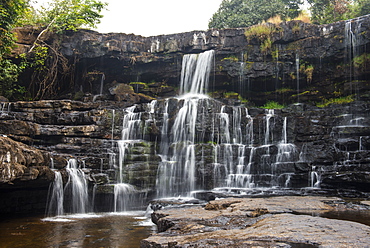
<point>257,222</point>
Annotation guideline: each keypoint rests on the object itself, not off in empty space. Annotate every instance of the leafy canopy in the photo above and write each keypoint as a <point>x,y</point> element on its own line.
<point>64,15</point>
<point>244,13</point>
<point>10,11</point>
<point>328,11</point>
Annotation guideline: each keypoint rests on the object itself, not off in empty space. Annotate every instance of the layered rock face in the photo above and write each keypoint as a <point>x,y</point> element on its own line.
<point>122,128</point>
<point>303,63</point>
<point>300,147</point>
<point>24,177</point>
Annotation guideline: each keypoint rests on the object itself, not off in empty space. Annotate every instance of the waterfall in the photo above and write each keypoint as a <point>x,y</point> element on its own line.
<point>132,133</point>
<point>297,71</point>
<point>195,73</point>
<point>122,196</point>
<point>177,170</point>
<point>102,84</point>
<point>73,197</point>
<point>76,191</point>
<point>176,173</point>
<point>56,196</point>
<point>269,126</point>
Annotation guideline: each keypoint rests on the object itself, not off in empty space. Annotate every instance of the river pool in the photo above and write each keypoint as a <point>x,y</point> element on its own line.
<point>122,230</point>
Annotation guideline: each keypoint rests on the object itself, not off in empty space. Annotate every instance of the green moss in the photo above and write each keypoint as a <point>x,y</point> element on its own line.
<point>272,105</point>
<point>275,54</point>
<point>296,28</point>
<point>307,70</point>
<point>78,96</point>
<point>140,83</point>
<point>284,90</point>
<point>339,100</point>
<point>231,95</point>
<point>266,45</point>
<point>232,58</point>
<point>361,60</point>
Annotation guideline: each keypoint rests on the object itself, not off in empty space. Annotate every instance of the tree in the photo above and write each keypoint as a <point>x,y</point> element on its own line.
<point>244,13</point>
<point>10,11</point>
<point>62,15</point>
<point>328,11</point>
<point>51,70</point>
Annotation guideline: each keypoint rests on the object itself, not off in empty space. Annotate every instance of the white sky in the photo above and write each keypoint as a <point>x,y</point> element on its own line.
<point>156,17</point>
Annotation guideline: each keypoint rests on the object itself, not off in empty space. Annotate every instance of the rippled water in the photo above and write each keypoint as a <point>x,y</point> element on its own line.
<point>89,230</point>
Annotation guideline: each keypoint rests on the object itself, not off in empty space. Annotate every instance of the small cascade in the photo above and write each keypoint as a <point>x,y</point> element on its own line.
<point>102,84</point>
<point>269,126</point>
<point>112,154</point>
<point>52,163</point>
<point>73,197</point>
<point>297,72</point>
<point>132,134</point>
<point>76,190</point>
<point>56,196</point>
<point>314,178</point>
<point>122,196</point>
<point>5,108</point>
<point>195,74</point>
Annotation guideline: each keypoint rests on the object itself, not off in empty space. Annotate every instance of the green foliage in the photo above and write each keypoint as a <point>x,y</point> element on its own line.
<point>307,70</point>
<point>9,73</point>
<point>231,95</point>
<point>328,11</point>
<point>10,10</point>
<point>272,105</point>
<point>263,33</point>
<point>339,100</point>
<point>64,15</point>
<point>245,13</point>
<point>362,60</point>
<point>39,56</point>
<point>260,31</point>
<point>266,46</point>
<point>296,28</point>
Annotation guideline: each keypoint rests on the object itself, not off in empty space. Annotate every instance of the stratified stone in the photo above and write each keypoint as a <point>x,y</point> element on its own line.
<point>22,162</point>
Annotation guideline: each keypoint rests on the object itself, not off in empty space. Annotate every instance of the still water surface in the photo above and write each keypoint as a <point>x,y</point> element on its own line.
<point>123,230</point>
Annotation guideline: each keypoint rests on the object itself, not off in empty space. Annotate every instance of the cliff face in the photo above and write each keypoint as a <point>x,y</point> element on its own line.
<point>293,61</point>
<point>300,146</point>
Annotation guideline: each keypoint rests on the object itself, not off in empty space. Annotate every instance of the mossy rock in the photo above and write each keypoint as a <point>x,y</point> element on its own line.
<point>121,89</point>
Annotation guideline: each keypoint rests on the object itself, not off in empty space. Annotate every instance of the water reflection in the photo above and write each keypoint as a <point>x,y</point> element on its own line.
<point>89,230</point>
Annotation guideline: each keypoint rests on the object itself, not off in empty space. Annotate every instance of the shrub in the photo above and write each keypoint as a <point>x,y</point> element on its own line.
<point>272,105</point>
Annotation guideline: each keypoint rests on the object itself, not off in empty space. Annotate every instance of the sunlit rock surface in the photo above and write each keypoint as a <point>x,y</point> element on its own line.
<point>262,222</point>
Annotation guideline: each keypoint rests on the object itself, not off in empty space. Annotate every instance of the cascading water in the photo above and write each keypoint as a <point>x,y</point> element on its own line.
<point>76,190</point>
<point>73,197</point>
<point>56,196</point>
<point>131,134</point>
<point>176,173</point>
<point>122,196</point>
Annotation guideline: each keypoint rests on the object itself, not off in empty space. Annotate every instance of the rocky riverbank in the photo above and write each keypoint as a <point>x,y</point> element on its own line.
<point>288,221</point>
